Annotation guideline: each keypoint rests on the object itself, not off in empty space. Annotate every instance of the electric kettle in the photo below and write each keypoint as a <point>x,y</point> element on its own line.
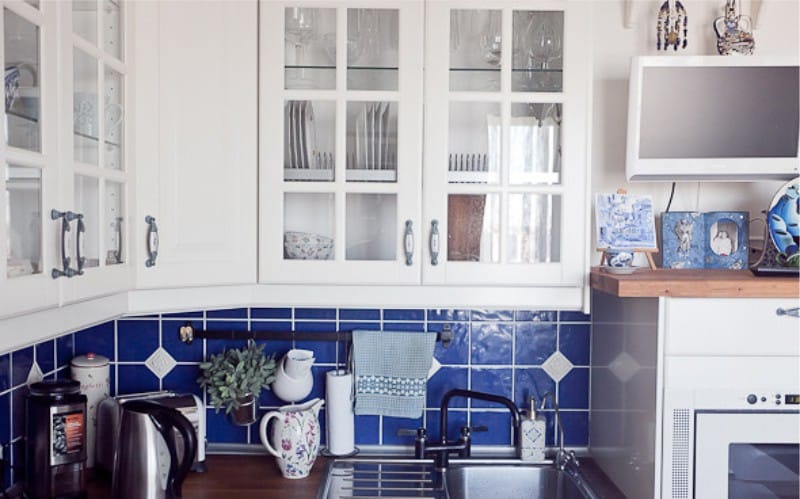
<point>149,464</point>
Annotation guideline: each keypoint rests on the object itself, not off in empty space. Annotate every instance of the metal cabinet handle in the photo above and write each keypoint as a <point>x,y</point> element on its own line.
<point>434,242</point>
<point>791,312</point>
<point>152,241</point>
<point>65,270</point>
<point>118,253</point>
<point>79,258</point>
<point>408,242</point>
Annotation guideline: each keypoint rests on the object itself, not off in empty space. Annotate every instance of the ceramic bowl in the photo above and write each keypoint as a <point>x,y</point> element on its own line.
<point>619,259</point>
<point>307,246</point>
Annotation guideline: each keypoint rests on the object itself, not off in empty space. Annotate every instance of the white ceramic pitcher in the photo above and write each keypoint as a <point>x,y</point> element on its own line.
<point>295,435</point>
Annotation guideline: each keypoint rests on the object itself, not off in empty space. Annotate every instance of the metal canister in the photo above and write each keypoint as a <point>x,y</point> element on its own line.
<point>93,373</point>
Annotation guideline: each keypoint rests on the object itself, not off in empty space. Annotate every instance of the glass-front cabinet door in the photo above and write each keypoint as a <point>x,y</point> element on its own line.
<point>505,143</point>
<point>341,142</point>
<point>29,158</point>
<point>94,120</point>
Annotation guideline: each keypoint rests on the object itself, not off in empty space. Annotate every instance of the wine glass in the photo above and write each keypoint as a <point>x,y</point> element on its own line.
<point>545,45</point>
<point>301,25</point>
<point>491,40</point>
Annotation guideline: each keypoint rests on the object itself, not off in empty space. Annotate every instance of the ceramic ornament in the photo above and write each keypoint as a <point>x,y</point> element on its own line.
<point>672,27</point>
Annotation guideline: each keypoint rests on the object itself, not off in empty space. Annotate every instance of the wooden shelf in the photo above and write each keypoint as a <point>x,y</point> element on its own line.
<point>694,283</point>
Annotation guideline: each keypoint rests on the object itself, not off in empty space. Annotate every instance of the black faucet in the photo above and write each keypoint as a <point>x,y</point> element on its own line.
<point>463,445</point>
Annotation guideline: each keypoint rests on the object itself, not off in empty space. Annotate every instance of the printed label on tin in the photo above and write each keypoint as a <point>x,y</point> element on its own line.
<point>68,433</point>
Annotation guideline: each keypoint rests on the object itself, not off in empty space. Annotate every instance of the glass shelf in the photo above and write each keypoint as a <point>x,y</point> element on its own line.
<point>95,139</point>
<point>354,68</point>
<point>29,119</point>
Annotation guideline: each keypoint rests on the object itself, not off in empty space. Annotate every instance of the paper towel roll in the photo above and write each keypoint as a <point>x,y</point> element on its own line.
<point>339,412</point>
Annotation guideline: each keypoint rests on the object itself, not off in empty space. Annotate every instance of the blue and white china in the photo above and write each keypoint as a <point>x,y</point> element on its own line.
<point>784,223</point>
<point>12,85</point>
<point>619,259</point>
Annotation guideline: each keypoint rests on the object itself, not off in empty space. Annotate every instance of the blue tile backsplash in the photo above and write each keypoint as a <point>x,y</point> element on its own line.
<point>498,351</point>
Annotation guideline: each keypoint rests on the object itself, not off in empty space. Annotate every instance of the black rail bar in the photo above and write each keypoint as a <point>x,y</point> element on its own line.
<point>187,333</point>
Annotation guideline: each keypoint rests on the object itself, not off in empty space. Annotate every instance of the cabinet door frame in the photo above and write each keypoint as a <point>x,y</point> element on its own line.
<point>273,268</point>
<point>572,268</point>
<point>103,279</point>
<point>38,291</point>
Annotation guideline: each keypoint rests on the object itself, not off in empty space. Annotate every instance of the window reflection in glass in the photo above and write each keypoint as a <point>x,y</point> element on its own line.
<point>23,220</point>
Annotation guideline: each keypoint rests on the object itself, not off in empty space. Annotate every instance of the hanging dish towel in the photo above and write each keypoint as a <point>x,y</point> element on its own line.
<point>391,372</point>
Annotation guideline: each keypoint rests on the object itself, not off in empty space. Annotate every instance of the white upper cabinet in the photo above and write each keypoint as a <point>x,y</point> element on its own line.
<point>506,118</point>
<point>504,112</point>
<point>96,183</point>
<point>30,162</point>
<point>196,128</point>
<point>341,142</point>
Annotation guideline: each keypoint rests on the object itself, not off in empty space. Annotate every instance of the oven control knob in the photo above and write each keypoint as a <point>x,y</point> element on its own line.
<point>752,399</point>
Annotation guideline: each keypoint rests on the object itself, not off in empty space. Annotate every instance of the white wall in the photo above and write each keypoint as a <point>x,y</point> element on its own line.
<point>778,33</point>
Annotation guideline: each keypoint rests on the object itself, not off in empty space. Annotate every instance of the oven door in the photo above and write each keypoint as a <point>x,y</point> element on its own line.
<point>747,455</point>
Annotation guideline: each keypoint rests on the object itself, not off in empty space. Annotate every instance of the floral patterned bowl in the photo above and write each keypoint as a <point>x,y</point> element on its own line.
<point>307,246</point>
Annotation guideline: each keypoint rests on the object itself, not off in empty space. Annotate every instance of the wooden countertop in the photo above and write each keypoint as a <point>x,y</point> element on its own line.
<point>236,476</point>
<point>694,283</point>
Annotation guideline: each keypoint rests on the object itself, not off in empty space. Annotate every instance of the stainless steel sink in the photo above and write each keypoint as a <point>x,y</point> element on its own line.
<point>486,481</point>
<point>384,478</point>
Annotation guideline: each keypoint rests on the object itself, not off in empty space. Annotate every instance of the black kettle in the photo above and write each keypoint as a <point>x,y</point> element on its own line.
<point>150,462</point>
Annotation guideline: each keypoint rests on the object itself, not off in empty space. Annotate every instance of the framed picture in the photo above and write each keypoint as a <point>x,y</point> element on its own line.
<point>713,240</point>
<point>625,221</point>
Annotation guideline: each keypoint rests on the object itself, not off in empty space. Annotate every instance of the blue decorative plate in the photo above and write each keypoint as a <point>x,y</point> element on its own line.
<point>784,223</point>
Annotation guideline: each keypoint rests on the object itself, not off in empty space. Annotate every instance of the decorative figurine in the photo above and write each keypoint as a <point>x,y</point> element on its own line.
<point>670,23</point>
<point>734,33</point>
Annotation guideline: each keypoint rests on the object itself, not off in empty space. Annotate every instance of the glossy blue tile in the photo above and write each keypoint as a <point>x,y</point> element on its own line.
<point>573,389</point>
<point>17,452</point>
<point>188,314</point>
<point>315,313</point>
<point>491,343</point>
<point>98,339</point>
<point>447,314</point>
<point>359,314</point>
<point>532,382</point>
<point>270,313</point>
<point>5,372</point>
<point>65,349</point>
<point>5,418</point>
<point>21,363</point>
<point>403,314</point>
<point>112,380</point>
<point>214,347</point>
<point>404,326</point>
<point>227,313</point>
<point>18,412</point>
<point>456,419</point>
<point>180,351</point>
<point>318,390</point>
<point>574,341</point>
<point>355,326</point>
<point>491,315</point>
<point>498,424</point>
<point>573,316</point>
<point>217,346</point>
<point>392,425</point>
<point>313,326</point>
<point>576,428</point>
<point>324,351</point>
<point>267,399</point>
<point>136,339</point>
<point>535,342</point>
<point>367,430</point>
<point>494,381</point>
<point>135,379</point>
<point>443,381</point>
<point>221,430</point>
<point>46,355</point>
<point>535,315</point>
<point>323,427</point>
<point>278,347</point>
<point>550,419</point>
<point>457,352</point>
<point>183,379</point>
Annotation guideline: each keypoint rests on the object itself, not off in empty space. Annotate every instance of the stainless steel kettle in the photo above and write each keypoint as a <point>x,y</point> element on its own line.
<point>150,463</point>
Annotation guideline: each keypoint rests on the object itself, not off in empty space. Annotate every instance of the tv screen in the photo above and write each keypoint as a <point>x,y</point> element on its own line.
<point>713,118</point>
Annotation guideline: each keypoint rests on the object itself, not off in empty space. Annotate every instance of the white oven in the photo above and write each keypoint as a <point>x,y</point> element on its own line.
<point>732,430</point>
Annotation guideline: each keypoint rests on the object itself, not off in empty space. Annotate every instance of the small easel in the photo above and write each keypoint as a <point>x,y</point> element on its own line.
<point>648,252</point>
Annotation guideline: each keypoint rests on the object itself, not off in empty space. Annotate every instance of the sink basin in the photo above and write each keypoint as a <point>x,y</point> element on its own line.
<point>482,481</point>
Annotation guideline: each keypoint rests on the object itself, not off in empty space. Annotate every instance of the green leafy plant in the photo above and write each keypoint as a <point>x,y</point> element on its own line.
<point>235,374</point>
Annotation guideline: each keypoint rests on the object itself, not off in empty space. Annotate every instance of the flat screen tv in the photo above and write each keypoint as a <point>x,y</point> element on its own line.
<point>713,118</point>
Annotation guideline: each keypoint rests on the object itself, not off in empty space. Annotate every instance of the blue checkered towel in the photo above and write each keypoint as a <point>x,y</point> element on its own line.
<point>391,372</point>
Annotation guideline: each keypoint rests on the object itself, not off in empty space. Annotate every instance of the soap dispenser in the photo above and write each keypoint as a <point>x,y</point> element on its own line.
<point>532,434</point>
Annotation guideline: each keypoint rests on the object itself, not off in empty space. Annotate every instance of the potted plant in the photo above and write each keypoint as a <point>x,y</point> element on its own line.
<point>234,379</point>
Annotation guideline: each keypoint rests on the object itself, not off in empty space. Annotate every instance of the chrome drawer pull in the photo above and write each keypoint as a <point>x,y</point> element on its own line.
<point>792,312</point>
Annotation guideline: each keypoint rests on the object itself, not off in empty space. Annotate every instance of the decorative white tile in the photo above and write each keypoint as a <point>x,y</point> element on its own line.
<point>435,366</point>
<point>35,375</point>
<point>624,367</point>
<point>160,362</point>
<point>557,366</point>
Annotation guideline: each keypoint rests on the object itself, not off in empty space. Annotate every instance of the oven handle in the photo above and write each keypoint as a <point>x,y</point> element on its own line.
<point>792,312</point>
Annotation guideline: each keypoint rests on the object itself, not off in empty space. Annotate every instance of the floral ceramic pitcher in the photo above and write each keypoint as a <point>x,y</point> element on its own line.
<point>295,435</point>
